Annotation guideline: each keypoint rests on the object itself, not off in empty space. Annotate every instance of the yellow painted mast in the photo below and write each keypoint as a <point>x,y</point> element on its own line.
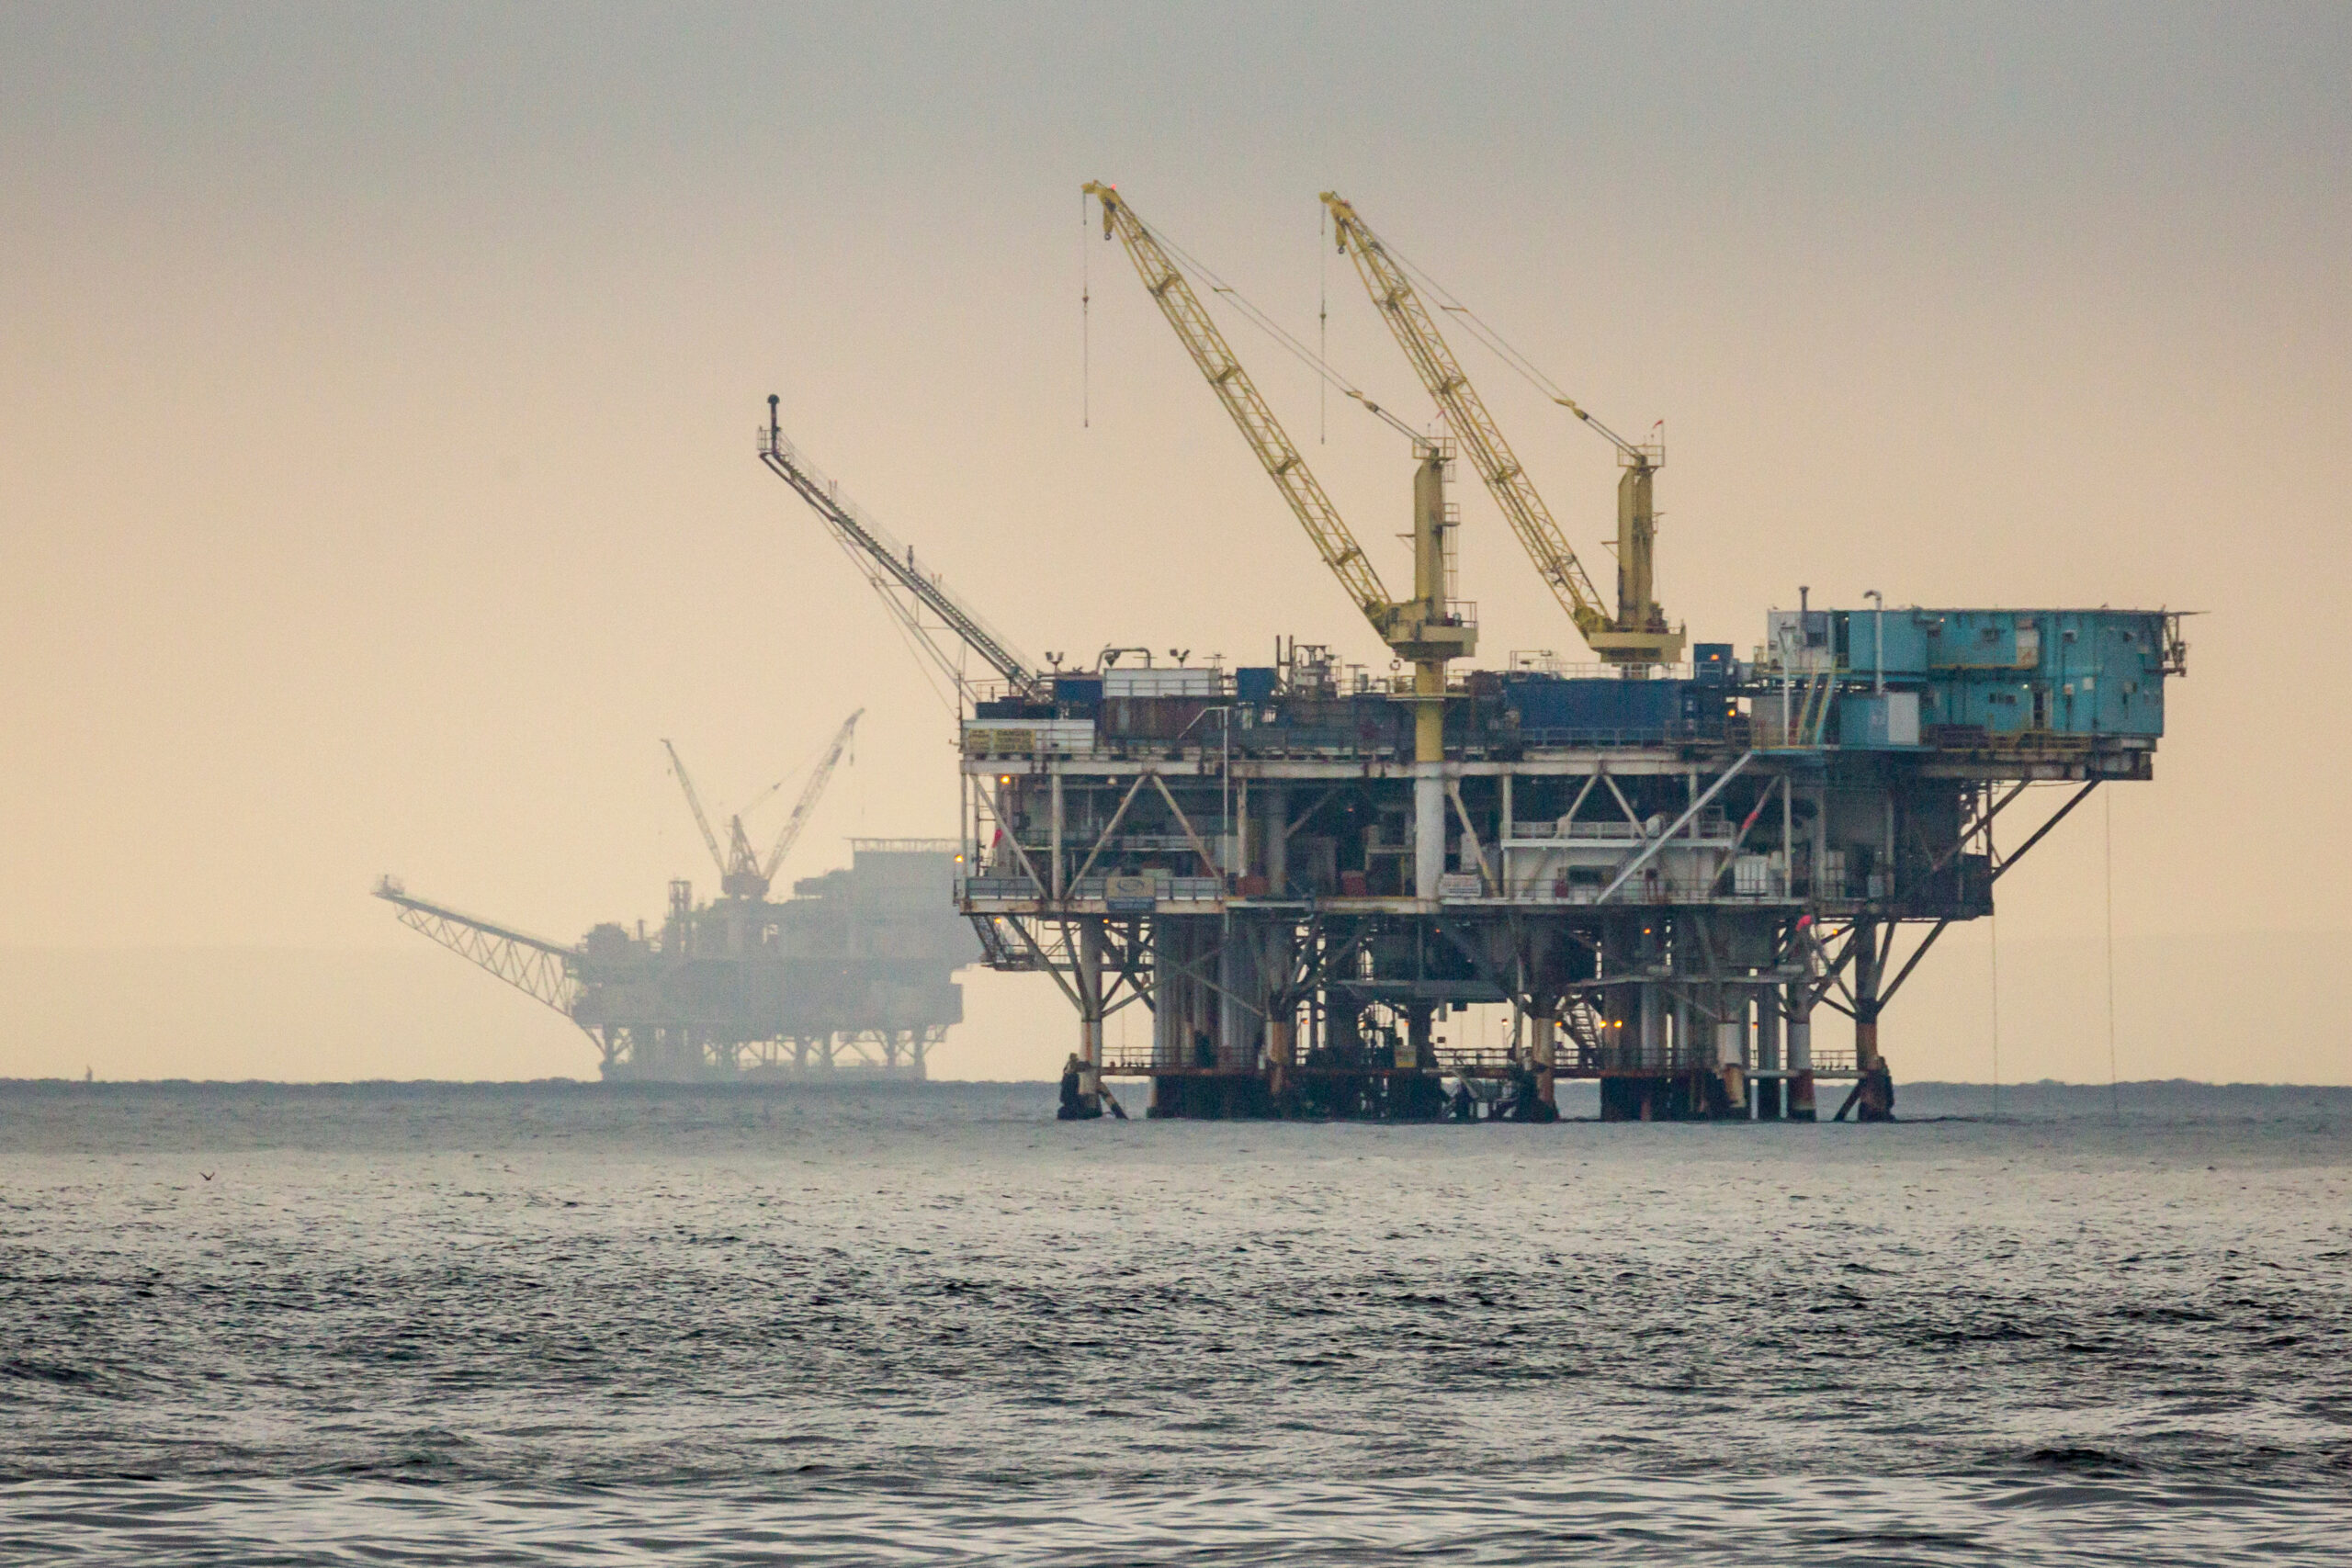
<point>1423,630</point>
<point>1638,633</point>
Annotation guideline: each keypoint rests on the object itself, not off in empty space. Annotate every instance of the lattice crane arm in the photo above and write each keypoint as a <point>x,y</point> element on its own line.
<point>1215,360</point>
<point>890,567</point>
<point>694,802</point>
<point>810,793</point>
<point>1506,478</point>
<point>540,969</point>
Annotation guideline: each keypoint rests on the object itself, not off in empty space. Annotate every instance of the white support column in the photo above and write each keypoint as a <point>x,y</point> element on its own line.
<point>1428,830</point>
<point>1236,848</point>
<point>1800,1040</point>
<point>1731,1047</point>
<point>1731,1030</point>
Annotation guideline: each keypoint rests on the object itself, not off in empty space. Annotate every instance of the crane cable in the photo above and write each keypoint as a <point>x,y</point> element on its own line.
<point>791,773</point>
<point>2114,1088</point>
<point>1275,330</point>
<point>1993,927</point>
<point>1500,347</point>
<point>925,654</point>
<point>1085,322</point>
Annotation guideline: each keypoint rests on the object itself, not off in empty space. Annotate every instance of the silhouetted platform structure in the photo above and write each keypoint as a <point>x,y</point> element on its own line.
<point>1665,878</point>
<point>1666,867</point>
<point>852,974</point>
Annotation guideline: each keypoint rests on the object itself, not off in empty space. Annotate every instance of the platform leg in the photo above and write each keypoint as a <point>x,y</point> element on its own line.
<point>1875,1091</point>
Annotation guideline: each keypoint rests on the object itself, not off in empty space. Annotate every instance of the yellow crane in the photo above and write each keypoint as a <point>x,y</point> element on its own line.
<point>1424,630</point>
<point>1638,633</point>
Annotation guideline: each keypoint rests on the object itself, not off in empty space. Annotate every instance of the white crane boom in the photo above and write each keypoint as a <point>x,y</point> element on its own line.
<point>694,803</point>
<point>808,797</point>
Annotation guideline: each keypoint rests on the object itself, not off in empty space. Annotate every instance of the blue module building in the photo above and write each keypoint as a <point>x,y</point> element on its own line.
<point>1999,674</point>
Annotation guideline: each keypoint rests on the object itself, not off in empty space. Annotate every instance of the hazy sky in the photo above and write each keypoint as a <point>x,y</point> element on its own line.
<point>377,481</point>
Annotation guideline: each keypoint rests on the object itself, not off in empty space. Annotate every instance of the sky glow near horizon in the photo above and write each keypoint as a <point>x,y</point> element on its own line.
<point>379,429</point>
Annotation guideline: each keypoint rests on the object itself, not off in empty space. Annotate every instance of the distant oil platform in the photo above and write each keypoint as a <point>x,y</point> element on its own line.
<point>851,975</point>
<point>1666,867</point>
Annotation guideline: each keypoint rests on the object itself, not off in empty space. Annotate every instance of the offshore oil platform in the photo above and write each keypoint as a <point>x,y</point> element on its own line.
<point>1667,868</point>
<point>851,975</point>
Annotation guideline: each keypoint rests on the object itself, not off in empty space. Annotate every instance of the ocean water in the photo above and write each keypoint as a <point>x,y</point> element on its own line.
<point>549,1324</point>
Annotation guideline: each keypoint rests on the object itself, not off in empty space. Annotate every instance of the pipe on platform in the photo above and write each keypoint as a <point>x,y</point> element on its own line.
<point>1544,1057</point>
<point>1652,848</point>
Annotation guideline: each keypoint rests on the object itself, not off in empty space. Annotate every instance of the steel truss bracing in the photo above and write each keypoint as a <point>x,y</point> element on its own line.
<point>852,974</point>
<point>1661,879</point>
<point>1669,921</point>
<point>540,969</point>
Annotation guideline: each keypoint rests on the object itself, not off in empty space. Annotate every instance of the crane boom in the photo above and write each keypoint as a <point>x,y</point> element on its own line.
<point>538,968</point>
<point>1427,629</point>
<point>1271,445</point>
<point>1638,633</point>
<point>694,803</point>
<point>1392,293</point>
<point>808,797</point>
<point>907,590</point>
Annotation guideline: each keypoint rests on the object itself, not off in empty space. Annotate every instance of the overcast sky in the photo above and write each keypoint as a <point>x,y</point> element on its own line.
<point>377,480</point>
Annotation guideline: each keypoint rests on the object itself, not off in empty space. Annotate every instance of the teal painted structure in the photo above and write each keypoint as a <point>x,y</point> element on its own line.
<point>2015,672</point>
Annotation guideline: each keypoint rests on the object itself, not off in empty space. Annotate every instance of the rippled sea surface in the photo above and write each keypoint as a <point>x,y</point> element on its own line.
<point>550,1325</point>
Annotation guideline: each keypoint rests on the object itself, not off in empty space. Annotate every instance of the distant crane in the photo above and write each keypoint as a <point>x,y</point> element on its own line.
<point>1638,633</point>
<point>693,804</point>
<point>741,873</point>
<point>915,598</point>
<point>807,804</point>
<point>1426,630</point>
<point>545,970</point>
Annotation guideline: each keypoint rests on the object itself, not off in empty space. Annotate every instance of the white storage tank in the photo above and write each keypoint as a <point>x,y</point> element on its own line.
<point>1162,682</point>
